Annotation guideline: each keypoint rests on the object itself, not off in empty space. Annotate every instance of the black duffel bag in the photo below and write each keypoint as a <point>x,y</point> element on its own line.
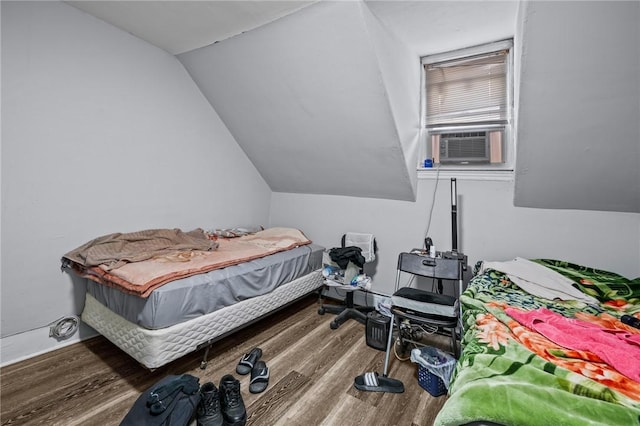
<point>170,402</point>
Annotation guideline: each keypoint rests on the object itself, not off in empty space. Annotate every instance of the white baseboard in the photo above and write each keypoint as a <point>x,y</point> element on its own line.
<point>29,344</point>
<point>19,347</point>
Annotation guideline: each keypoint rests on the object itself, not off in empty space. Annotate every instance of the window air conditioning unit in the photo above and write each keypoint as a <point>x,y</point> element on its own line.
<point>464,147</point>
<point>470,147</point>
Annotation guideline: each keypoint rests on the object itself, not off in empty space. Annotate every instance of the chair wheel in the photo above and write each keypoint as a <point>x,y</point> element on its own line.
<point>321,311</point>
<point>334,325</point>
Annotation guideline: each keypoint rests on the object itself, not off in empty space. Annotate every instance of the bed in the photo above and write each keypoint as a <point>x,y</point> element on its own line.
<point>530,358</point>
<point>160,307</point>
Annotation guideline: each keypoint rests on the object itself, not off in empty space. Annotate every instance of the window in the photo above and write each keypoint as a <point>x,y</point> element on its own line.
<point>467,107</point>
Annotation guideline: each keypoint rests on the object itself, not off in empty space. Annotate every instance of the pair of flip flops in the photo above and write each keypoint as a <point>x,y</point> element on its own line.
<point>251,363</point>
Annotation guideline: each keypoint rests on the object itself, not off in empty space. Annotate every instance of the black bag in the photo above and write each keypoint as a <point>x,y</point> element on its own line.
<point>170,402</point>
<point>343,255</point>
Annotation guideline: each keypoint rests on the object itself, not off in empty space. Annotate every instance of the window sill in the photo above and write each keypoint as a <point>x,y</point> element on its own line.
<point>493,175</point>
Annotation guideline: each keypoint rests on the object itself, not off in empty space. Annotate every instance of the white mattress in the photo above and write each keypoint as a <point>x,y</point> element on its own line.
<point>154,348</point>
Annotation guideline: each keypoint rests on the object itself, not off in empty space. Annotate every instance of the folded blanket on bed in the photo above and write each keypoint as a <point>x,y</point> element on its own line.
<point>539,280</point>
<point>115,250</point>
<point>142,277</point>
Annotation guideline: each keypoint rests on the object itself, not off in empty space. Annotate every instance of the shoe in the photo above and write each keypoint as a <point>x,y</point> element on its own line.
<point>248,360</point>
<point>209,412</point>
<point>259,377</point>
<point>233,409</point>
<point>372,382</point>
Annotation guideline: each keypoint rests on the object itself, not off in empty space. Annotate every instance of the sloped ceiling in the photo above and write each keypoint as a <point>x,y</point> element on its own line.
<point>579,131</point>
<point>432,26</point>
<point>322,96</point>
<point>180,26</point>
<point>325,100</point>
<point>305,98</point>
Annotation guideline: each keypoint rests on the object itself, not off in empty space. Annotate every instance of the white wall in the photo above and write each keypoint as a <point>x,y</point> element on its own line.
<point>491,228</point>
<point>104,133</point>
<point>101,133</point>
<point>579,104</point>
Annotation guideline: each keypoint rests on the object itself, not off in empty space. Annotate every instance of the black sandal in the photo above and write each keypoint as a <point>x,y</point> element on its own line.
<point>248,360</point>
<point>372,382</point>
<point>259,377</point>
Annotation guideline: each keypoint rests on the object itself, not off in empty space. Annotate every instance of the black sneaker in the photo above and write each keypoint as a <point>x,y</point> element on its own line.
<point>233,410</point>
<point>209,413</point>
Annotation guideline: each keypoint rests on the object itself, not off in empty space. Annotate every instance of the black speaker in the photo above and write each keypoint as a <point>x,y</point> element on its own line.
<point>377,330</point>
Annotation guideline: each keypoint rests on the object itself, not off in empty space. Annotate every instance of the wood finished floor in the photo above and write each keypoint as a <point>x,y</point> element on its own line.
<point>312,370</point>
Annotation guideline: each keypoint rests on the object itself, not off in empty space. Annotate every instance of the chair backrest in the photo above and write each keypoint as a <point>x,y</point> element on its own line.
<point>440,268</point>
<point>366,243</point>
<point>447,269</point>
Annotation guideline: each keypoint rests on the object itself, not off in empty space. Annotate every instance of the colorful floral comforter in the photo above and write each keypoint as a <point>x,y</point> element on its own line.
<point>511,374</point>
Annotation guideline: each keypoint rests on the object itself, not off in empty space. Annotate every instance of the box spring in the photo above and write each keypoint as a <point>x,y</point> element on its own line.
<point>155,348</point>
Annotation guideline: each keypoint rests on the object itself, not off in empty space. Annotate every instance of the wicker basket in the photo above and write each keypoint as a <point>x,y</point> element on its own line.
<point>430,382</point>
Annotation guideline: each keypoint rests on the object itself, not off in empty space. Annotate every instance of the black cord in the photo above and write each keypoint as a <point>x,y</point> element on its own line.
<point>433,201</point>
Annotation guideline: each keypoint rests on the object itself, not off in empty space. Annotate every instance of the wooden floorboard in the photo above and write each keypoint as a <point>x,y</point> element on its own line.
<point>312,371</point>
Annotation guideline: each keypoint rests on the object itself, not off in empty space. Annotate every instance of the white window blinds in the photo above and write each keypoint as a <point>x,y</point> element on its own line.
<point>467,91</point>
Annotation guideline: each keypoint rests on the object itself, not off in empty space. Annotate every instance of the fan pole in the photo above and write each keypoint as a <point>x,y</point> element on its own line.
<point>454,216</point>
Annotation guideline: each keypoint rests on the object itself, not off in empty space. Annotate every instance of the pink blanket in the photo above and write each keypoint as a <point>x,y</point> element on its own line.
<point>617,348</point>
<point>141,278</point>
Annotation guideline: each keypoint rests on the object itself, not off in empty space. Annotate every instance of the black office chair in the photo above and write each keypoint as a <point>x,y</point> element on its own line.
<point>368,248</point>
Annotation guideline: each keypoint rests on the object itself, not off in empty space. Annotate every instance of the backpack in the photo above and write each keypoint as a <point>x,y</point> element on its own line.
<point>170,402</point>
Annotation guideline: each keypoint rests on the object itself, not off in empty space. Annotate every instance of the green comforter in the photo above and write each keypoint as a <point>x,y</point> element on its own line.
<point>511,375</point>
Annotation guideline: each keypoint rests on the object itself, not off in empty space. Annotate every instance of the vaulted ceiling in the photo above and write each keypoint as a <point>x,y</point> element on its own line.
<point>180,26</point>
<point>323,96</point>
<point>312,110</point>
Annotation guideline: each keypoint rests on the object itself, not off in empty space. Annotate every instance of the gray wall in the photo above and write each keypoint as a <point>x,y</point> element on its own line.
<point>101,133</point>
<point>490,227</point>
<point>579,106</point>
<point>561,189</point>
<point>306,98</point>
